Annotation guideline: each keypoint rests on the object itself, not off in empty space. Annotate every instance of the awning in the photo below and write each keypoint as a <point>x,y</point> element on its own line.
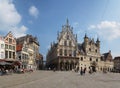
<point>9,62</point>
<point>1,60</point>
<point>17,63</point>
<point>5,63</point>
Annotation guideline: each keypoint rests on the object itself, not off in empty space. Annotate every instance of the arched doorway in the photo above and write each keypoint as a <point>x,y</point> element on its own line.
<point>71,65</point>
<point>61,65</point>
<point>66,65</point>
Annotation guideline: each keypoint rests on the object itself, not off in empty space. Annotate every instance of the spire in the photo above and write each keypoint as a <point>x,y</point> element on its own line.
<point>67,22</point>
<point>58,33</point>
<point>98,40</point>
<point>85,35</point>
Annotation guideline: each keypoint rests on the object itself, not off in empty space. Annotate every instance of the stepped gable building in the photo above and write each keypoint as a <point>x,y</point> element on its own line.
<point>63,54</point>
<point>29,51</point>
<point>68,54</point>
<point>10,46</point>
<point>89,52</point>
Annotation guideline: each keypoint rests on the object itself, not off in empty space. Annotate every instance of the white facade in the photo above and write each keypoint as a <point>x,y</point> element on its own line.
<point>23,55</point>
<point>2,48</point>
<point>10,47</point>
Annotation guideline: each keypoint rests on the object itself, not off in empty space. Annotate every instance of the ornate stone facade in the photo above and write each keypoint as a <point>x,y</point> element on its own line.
<point>68,54</point>
<point>89,52</point>
<point>62,55</point>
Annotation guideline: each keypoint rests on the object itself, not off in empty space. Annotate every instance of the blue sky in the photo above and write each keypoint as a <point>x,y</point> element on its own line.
<point>43,18</point>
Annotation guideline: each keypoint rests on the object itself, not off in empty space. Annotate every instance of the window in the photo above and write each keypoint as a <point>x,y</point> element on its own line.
<point>74,53</point>
<point>65,52</point>
<point>6,54</point>
<point>10,41</point>
<point>6,46</point>
<point>81,58</point>
<point>70,52</point>
<point>2,46</point>
<point>60,51</point>
<point>22,56</point>
<point>19,57</point>
<point>96,60</point>
<point>89,49</point>
<point>70,43</point>
<point>10,54</point>
<point>13,55</point>
<point>13,47</point>
<point>2,55</point>
<point>96,50</point>
<point>10,47</point>
<point>65,43</point>
<point>90,59</point>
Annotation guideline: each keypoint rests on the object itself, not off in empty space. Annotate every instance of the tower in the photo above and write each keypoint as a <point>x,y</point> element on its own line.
<point>86,39</point>
<point>98,43</point>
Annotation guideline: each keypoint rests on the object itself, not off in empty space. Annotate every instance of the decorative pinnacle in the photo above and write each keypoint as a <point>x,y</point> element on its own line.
<point>67,21</point>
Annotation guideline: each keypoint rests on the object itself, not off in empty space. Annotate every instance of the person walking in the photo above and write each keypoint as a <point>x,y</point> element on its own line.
<point>84,71</point>
<point>90,70</point>
<point>81,71</point>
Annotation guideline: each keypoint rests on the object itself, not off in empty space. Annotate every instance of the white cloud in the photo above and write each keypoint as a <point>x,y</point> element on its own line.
<point>115,54</point>
<point>19,31</point>
<point>109,30</point>
<point>33,11</point>
<point>10,19</point>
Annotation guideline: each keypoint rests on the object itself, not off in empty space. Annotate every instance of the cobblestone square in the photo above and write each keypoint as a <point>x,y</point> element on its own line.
<point>58,79</point>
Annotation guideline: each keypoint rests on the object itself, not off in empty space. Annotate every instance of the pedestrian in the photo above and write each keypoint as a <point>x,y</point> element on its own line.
<point>90,70</point>
<point>84,71</point>
<point>81,71</point>
<point>54,69</point>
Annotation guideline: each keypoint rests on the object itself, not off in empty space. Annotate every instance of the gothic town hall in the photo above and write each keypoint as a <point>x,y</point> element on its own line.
<point>68,54</point>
